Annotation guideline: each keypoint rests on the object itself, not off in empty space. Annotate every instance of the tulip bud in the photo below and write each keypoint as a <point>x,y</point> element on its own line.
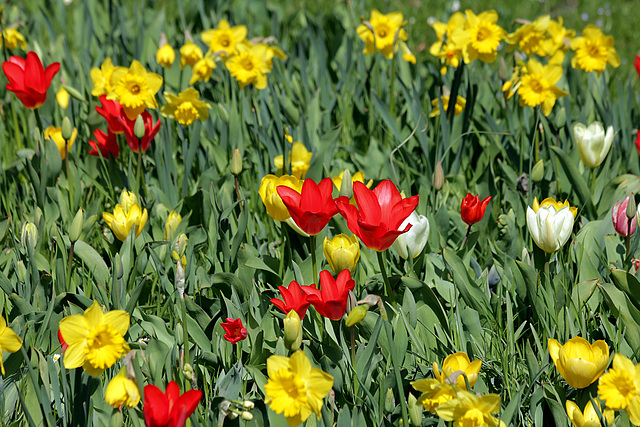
<point>180,245</point>
<point>342,252</point>
<point>62,96</point>
<point>236,163</point>
<point>346,187</point>
<point>415,411</point>
<point>593,142</point>
<point>22,271</point>
<point>187,371</point>
<point>247,416</point>
<point>171,226</point>
<point>248,404</point>
<point>29,236</point>
<point>76,226</point>
<point>537,173</point>
<point>357,315</point>
<point>503,70</point>
<point>389,401</point>
<point>561,117</point>
<point>438,177</point>
<point>620,216</point>
<point>67,129</point>
<point>138,129</point>
<point>631,207</point>
<point>292,331</point>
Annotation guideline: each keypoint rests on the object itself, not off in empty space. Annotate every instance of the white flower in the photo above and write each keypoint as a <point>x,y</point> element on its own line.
<point>414,240</point>
<point>56,357</point>
<point>593,143</point>
<point>549,226</point>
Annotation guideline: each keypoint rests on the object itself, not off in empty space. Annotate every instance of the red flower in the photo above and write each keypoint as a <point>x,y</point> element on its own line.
<point>150,131</point>
<point>313,207</point>
<point>331,299</point>
<point>472,209</point>
<point>377,219</point>
<point>106,144</point>
<point>638,142</point>
<point>62,342</point>
<point>169,409</point>
<point>636,63</point>
<point>112,112</point>
<point>294,299</point>
<point>234,330</point>
<point>28,79</point>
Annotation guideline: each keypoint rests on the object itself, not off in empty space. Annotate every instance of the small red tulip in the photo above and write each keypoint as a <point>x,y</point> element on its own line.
<point>28,79</point>
<point>638,142</point>
<point>234,330</point>
<point>294,299</point>
<point>636,63</point>
<point>112,112</point>
<point>472,209</point>
<point>169,409</point>
<point>105,144</point>
<point>150,131</point>
<point>331,299</point>
<point>313,207</point>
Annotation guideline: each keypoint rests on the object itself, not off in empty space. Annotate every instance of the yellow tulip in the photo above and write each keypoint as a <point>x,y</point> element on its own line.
<point>272,201</point>
<point>579,362</point>
<point>171,226</point>
<point>9,341</point>
<point>457,363</point>
<point>122,391</point>
<point>342,252</point>
<point>121,221</point>
<point>55,134</point>
<point>127,198</point>
<point>299,158</point>
<point>590,417</point>
<point>469,410</point>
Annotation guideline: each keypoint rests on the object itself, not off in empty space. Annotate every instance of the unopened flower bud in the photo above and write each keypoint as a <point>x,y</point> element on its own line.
<point>138,129</point>
<point>248,404</point>
<point>29,236</point>
<point>561,117</point>
<point>236,163</point>
<point>187,371</point>
<point>171,226</point>
<point>346,187</point>
<point>67,129</point>
<point>22,271</point>
<point>180,245</point>
<point>537,173</point>
<point>119,269</point>
<point>415,411</point>
<point>389,401</point>
<point>76,226</point>
<point>292,331</point>
<point>503,70</point>
<point>357,315</point>
<point>247,416</point>
<point>62,96</point>
<point>438,177</point>
<point>631,207</point>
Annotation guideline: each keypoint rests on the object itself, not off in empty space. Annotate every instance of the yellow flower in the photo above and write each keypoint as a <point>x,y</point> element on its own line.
<point>165,55</point>
<point>594,51</point>
<point>62,96</point>
<point>55,134</point>
<point>538,86</point>
<point>379,33</point>
<point>550,201</point>
<point>201,70</point>
<point>171,226</point>
<point>550,223</point>
<point>590,417</point>
<point>479,37</point>
<point>579,362</point>
<point>103,82</point>
<point>250,65</point>
<point>444,48</point>
<point>299,159</point>
<point>127,199</point>
<point>530,37</point>
<point>186,107</point>
<point>459,108</point>
<point>12,39</point>
<point>9,341</point>
<point>558,41</point>
<point>225,38</point>
<point>95,339</point>
<point>407,55</point>
<point>190,53</point>
<point>342,252</point>
<point>274,52</point>
<point>511,86</point>
<point>620,387</point>
<point>469,410</point>
<point>121,221</point>
<point>434,393</point>
<point>456,364</point>
<point>122,391</point>
<point>295,388</point>
<point>270,197</point>
<point>135,89</point>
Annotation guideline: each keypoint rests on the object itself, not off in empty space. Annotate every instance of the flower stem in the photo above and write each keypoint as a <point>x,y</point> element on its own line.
<point>185,338</point>
<point>387,285</point>
<point>69,269</point>
<point>312,239</point>
<point>38,121</point>
<point>466,236</point>
<point>353,363</point>
<point>283,238</point>
<point>396,370</point>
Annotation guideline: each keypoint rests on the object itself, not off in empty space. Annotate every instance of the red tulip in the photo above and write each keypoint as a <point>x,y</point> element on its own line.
<point>331,299</point>
<point>105,143</point>
<point>472,209</point>
<point>28,79</point>
<point>150,131</point>
<point>294,299</point>
<point>377,219</point>
<point>638,142</point>
<point>313,207</point>
<point>234,330</point>
<point>169,409</point>
<point>62,342</point>
<point>112,112</point>
<point>636,63</point>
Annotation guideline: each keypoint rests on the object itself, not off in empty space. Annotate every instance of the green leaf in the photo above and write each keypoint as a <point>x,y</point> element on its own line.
<point>577,181</point>
<point>92,259</point>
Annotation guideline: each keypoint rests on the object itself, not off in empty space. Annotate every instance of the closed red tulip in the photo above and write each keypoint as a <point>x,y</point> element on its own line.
<point>331,299</point>
<point>313,207</point>
<point>294,299</point>
<point>170,409</point>
<point>105,144</point>
<point>234,330</point>
<point>150,131</point>
<point>472,209</point>
<point>28,79</point>
<point>377,219</point>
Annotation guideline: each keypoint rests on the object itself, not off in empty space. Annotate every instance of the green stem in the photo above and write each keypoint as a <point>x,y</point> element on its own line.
<point>387,285</point>
<point>392,101</point>
<point>353,363</point>
<point>38,121</point>
<point>283,233</point>
<point>592,181</point>
<point>396,370</point>
<point>185,338</point>
<point>312,239</point>
<point>69,269</point>
<point>466,237</point>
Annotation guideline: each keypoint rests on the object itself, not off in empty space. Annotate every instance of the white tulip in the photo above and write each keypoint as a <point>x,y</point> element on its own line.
<point>415,239</point>
<point>593,143</point>
<point>550,228</point>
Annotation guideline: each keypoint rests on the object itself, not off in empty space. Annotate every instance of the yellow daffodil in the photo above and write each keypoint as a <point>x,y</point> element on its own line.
<point>274,52</point>
<point>538,86</point>
<point>62,97</point>
<point>122,391</point>
<point>171,226</point>
<point>511,86</point>
<point>12,39</point>
<point>558,41</point>
<point>55,134</point>
<point>454,365</point>
<point>250,65</point>
<point>270,197</point>
<point>186,108</point>
<point>135,89</point>
<point>444,48</point>
<point>299,159</point>
<point>224,39</point>
<point>590,417</point>
<point>461,103</point>
<point>469,410</point>
<point>95,339</point>
<point>342,252</point>
<point>121,221</point>
<point>9,341</point>
<point>295,388</point>
<point>550,223</point>
<point>620,387</point>
<point>530,37</point>
<point>579,362</point>
<point>594,51</point>
<point>479,36</point>
<point>165,56</point>
<point>379,33</point>
<point>202,69</point>
<point>434,393</point>
<point>103,82</point>
<point>190,53</point>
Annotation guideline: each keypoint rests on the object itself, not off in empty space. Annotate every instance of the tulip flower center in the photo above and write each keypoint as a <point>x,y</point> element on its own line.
<point>105,345</point>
